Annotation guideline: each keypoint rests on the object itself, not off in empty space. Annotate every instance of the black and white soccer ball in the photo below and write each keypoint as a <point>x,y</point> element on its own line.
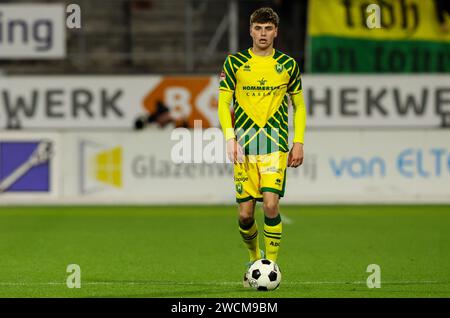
<point>264,275</point>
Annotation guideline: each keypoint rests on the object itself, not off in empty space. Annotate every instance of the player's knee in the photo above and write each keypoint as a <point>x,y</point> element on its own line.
<point>245,219</point>
<point>271,208</point>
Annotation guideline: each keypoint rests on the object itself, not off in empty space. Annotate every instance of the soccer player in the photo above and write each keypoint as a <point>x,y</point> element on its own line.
<point>258,81</point>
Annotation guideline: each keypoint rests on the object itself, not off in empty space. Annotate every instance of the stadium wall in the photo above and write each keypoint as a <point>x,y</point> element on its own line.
<point>408,166</point>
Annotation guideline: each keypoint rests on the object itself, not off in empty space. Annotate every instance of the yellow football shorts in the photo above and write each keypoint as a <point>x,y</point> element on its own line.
<point>260,173</point>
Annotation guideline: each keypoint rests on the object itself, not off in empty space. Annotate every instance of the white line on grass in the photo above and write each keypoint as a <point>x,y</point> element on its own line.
<point>286,220</point>
<point>119,283</point>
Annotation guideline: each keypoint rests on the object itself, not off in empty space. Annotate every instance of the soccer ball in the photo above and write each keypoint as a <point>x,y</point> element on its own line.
<point>264,275</point>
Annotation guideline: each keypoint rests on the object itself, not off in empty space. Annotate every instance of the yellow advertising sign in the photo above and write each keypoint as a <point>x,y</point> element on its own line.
<point>399,19</point>
<point>380,36</point>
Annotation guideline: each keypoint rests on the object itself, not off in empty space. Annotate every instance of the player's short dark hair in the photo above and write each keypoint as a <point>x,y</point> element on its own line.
<point>265,15</point>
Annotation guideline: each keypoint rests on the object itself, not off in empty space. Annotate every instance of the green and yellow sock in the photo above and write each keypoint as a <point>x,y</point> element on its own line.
<point>272,236</point>
<point>249,235</point>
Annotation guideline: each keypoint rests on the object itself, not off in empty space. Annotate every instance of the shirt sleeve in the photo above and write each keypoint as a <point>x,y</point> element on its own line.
<point>225,98</point>
<point>295,81</point>
<point>299,116</point>
<point>228,76</point>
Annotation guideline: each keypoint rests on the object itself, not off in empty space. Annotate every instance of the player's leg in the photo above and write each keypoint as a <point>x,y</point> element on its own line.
<point>249,232</point>
<point>273,226</point>
<point>246,178</point>
<point>273,180</point>
<point>249,229</point>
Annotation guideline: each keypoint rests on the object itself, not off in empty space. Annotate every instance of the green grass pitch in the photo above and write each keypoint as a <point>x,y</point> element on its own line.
<point>196,251</point>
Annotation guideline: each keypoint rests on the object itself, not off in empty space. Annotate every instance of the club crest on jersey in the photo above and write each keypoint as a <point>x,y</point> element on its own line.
<point>279,68</point>
<point>239,187</point>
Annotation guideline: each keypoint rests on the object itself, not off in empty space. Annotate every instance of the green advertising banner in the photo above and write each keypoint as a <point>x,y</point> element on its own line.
<point>378,36</point>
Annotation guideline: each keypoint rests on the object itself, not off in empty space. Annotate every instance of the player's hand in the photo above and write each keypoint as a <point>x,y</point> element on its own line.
<point>295,158</point>
<point>234,151</point>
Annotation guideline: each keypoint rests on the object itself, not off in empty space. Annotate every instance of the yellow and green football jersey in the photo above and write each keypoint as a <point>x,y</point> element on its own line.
<point>260,85</point>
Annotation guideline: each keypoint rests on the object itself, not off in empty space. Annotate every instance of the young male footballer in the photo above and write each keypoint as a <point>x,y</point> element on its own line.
<point>258,81</point>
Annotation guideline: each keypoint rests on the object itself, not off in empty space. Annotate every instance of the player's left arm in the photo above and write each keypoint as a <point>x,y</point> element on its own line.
<point>296,154</point>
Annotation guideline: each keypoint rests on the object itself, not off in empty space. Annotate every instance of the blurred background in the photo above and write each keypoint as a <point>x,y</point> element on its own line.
<point>164,37</point>
<point>99,100</point>
<point>106,82</point>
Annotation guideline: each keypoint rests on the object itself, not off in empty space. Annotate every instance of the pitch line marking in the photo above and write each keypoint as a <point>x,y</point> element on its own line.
<point>218,283</point>
<point>286,220</point>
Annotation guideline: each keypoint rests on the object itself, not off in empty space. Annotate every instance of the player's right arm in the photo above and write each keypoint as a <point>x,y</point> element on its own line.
<point>225,98</point>
<point>226,92</point>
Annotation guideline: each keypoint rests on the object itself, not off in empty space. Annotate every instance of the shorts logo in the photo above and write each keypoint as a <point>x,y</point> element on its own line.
<point>278,181</point>
<point>25,166</point>
<point>239,187</point>
<point>241,179</point>
<point>279,68</point>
